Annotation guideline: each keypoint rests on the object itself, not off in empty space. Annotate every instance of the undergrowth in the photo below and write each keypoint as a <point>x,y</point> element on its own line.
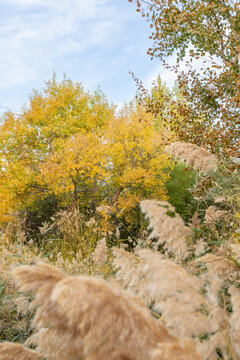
<point>179,271</point>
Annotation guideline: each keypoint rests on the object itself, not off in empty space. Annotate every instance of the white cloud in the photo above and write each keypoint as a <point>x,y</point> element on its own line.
<point>45,31</point>
<point>95,42</point>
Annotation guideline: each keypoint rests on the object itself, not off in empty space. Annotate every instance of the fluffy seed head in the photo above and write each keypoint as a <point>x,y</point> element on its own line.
<point>87,319</point>
<point>167,226</point>
<point>235,321</point>
<point>193,155</point>
<point>11,351</point>
<point>99,255</point>
<point>169,289</point>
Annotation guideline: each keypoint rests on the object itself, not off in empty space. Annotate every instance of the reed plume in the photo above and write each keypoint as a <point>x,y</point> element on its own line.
<point>167,226</point>
<point>22,304</point>
<point>218,264</point>
<point>86,318</point>
<point>210,217</point>
<point>174,351</point>
<point>235,320</point>
<point>170,290</point>
<point>193,155</point>
<point>225,262</point>
<point>100,254</point>
<point>11,351</point>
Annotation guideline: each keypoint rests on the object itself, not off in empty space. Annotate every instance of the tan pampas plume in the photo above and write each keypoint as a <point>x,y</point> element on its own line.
<point>85,318</point>
<point>11,351</point>
<point>105,209</point>
<point>167,226</point>
<point>218,264</point>
<point>91,222</point>
<point>39,278</point>
<point>193,155</point>
<point>225,262</point>
<point>45,228</point>
<point>195,221</point>
<point>234,250</point>
<point>22,305</point>
<point>22,325</point>
<point>235,321</point>
<point>199,247</point>
<point>210,217</point>
<point>174,351</point>
<point>170,290</point>
<point>207,349</point>
<point>100,253</point>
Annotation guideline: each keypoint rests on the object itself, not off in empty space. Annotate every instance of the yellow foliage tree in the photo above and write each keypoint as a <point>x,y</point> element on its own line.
<point>34,137</point>
<point>139,166</point>
<point>73,145</point>
<point>76,168</point>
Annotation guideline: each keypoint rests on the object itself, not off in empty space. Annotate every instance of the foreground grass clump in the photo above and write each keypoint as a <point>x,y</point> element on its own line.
<point>94,316</point>
<point>171,293</point>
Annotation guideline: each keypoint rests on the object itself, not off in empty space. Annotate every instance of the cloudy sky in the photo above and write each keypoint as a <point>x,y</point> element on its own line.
<point>95,42</point>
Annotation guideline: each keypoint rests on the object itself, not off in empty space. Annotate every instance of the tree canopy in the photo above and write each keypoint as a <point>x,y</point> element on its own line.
<point>74,146</point>
<point>206,34</point>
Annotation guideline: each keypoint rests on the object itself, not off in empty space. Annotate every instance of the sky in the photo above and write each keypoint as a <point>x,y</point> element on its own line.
<point>95,42</point>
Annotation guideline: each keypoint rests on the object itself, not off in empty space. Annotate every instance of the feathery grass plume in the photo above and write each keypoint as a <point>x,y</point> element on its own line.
<point>207,348</point>
<point>193,155</point>
<point>223,214</point>
<point>174,351</point>
<point>14,254</point>
<point>105,209</point>
<point>218,264</point>
<point>195,220</point>
<point>99,255</point>
<point>235,320</point>
<point>40,279</point>
<point>210,216</point>
<point>22,325</point>
<point>15,320</point>
<point>167,226</point>
<point>86,318</point>
<point>170,290</point>
<point>225,262</point>
<point>10,351</point>
<point>199,247</point>
<point>91,222</point>
<point>46,227</point>
<point>219,199</point>
<point>235,251</point>
<point>22,304</point>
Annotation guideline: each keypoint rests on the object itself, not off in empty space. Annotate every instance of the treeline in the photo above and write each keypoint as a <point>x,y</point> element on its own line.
<point>70,150</point>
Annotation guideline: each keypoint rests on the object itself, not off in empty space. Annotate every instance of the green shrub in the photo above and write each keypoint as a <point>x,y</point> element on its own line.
<point>181,180</point>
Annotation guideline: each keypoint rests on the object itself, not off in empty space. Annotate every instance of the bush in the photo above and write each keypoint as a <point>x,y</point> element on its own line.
<point>179,186</point>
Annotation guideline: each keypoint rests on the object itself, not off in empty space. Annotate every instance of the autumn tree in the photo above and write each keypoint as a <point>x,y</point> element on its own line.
<point>124,164</point>
<point>139,166</point>
<point>76,170</point>
<point>206,34</point>
<point>71,146</point>
<point>31,139</point>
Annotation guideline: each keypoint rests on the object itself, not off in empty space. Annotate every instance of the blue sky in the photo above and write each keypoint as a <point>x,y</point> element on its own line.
<point>95,42</point>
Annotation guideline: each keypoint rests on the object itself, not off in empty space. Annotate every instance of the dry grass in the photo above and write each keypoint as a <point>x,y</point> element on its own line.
<point>170,290</point>
<point>86,318</point>
<point>193,155</point>
<point>178,298</point>
<point>10,351</point>
<point>167,226</point>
